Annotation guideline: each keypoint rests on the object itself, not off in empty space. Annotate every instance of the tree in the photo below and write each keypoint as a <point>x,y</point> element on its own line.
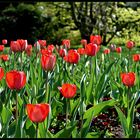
<point>21,21</point>
<point>104,18</point>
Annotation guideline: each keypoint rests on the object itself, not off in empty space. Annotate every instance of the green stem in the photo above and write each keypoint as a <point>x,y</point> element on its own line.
<point>129,60</point>
<point>21,61</point>
<point>67,111</point>
<point>14,60</point>
<point>16,108</point>
<point>47,86</point>
<point>128,98</point>
<point>90,65</point>
<point>36,130</point>
<point>81,110</point>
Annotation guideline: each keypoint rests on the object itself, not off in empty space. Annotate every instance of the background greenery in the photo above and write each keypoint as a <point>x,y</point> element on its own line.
<point>116,22</point>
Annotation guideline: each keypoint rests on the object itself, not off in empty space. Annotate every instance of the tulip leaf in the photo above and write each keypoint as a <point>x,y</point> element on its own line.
<point>86,126</point>
<point>102,82</point>
<point>21,122</point>
<point>41,130</point>
<point>93,135</point>
<point>97,109</point>
<point>6,116</point>
<point>11,129</point>
<point>66,132</point>
<point>130,116</point>
<point>123,120</point>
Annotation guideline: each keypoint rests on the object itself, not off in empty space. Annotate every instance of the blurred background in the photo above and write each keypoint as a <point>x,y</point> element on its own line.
<point>116,22</point>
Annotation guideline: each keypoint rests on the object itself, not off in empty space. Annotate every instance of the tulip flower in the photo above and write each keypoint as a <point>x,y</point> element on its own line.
<point>28,50</point>
<point>81,51</point>
<point>37,112</point>
<point>1,48</point>
<point>84,42</point>
<point>128,79</point>
<point>72,57</point>
<point>4,57</point>
<point>42,43</point>
<point>1,73</point>
<point>130,44</point>
<point>48,62</point>
<point>15,80</point>
<point>119,50</point>
<point>22,44</point>
<point>68,90</point>
<point>106,51</point>
<point>91,49</point>
<point>136,57</point>
<point>4,41</point>
<point>66,43</point>
<point>62,52</point>
<point>51,47</point>
<point>95,39</point>
<point>14,46</point>
<point>45,52</point>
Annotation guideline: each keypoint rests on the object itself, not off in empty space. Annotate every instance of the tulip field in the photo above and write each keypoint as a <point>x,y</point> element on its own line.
<point>52,91</point>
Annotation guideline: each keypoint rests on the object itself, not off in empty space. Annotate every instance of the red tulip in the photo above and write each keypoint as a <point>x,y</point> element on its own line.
<point>42,43</point>
<point>84,42</point>
<point>15,79</point>
<point>128,79</point>
<point>66,43</point>
<point>68,90</point>
<point>4,41</point>
<point>72,57</point>
<point>51,48</point>
<point>45,52</point>
<point>48,62</point>
<point>119,50</point>
<point>4,57</point>
<point>1,48</point>
<point>81,51</point>
<point>62,52</point>
<point>106,51</point>
<point>1,73</point>
<point>95,39</point>
<point>22,44</point>
<point>136,57</point>
<point>38,112</point>
<point>91,49</point>
<point>14,46</point>
<point>130,44</point>
<point>28,50</point>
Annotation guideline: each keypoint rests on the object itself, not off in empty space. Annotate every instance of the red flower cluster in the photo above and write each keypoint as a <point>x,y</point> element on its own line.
<point>95,39</point>
<point>1,48</point>
<point>1,73</point>
<point>15,80</point>
<point>84,42</point>
<point>136,57</point>
<point>130,44</point>
<point>66,43</point>
<point>128,79</point>
<point>37,112</point>
<point>119,50</point>
<point>28,50</point>
<point>68,90</point>
<point>106,51</point>
<point>4,41</point>
<point>4,57</point>
<point>91,49</point>
<point>18,46</point>
<point>72,57</point>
